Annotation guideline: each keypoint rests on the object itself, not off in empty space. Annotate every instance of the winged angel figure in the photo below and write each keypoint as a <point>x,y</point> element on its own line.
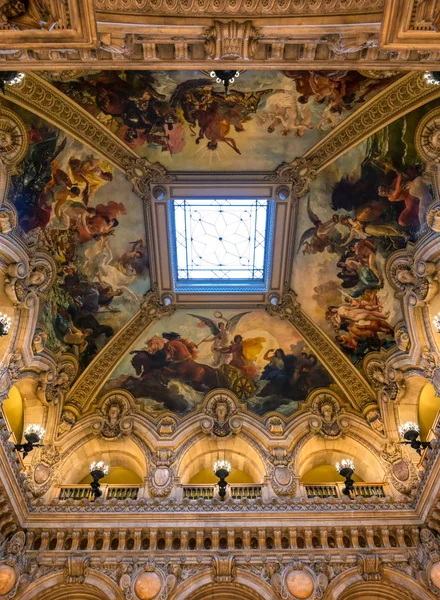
<point>221,334</point>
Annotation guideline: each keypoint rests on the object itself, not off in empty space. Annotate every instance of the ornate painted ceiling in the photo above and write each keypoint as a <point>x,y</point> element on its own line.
<point>356,209</point>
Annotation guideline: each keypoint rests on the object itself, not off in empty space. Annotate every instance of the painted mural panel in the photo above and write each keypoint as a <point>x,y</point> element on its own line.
<point>361,209</point>
<point>259,357</point>
<point>78,208</point>
<point>184,120</point>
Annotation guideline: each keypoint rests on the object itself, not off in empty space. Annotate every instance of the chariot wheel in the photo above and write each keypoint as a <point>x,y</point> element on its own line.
<point>243,387</point>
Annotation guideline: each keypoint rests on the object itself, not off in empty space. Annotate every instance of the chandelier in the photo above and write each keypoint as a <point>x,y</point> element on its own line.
<point>5,324</point>
<point>436,322</point>
<point>432,77</point>
<point>226,77</point>
<point>10,78</point>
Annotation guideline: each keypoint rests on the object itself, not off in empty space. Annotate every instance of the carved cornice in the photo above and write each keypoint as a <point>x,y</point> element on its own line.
<point>241,8</point>
<point>85,389</point>
<point>344,372</point>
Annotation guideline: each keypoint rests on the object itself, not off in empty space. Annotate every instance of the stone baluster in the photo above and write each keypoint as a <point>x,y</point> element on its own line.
<point>323,534</point>
<point>106,539</point>
<point>339,534</point>
<point>292,537</point>
<point>168,539</point>
<point>200,538</point>
<point>60,539</point>
<point>262,538</point>
<point>184,540</point>
<point>76,534</point>
<point>308,538</point>
<point>369,534</point>
<point>91,539</point>
<point>355,538</point>
<point>153,539</point>
<point>137,539</point>
<point>215,538</point>
<point>385,534</point>
<point>122,539</point>
<point>44,540</point>
<point>277,538</point>
<point>400,536</point>
<point>246,539</point>
<point>231,539</point>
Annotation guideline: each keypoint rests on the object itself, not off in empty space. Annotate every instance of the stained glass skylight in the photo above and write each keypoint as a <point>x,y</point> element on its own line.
<point>221,241</point>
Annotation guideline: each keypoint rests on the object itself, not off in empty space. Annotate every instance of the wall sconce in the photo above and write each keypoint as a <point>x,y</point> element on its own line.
<point>222,469</point>
<point>5,324</point>
<point>346,468</point>
<point>410,432</point>
<point>98,470</point>
<point>33,434</point>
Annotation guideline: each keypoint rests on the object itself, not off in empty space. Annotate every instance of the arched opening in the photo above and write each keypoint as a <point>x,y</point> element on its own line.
<point>125,458</point>
<point>429,406</point>
<point>13,410</point>
<point>318,458</point>
<point>324,474</point>
<point>117,475</point>
<point>375,591</point>
<point>197,463</point>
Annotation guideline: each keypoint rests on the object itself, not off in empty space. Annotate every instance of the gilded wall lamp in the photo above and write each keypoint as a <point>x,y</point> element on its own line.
<point>222,469</point>
<point>410,432</point>
<point>346,468</point>
<point>98,470</point>
<point>5,324</point>
<point>33,434</point>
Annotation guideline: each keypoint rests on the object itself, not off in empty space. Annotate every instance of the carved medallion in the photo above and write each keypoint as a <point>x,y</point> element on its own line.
<point>13,138</point>
<point>428,137</point>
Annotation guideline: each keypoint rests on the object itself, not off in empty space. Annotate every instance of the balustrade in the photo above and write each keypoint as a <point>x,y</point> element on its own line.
<point>208,492</point>
<point>334,490</point>
<point>119,492</point>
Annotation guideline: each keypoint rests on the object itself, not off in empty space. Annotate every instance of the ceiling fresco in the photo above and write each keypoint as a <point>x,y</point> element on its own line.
<point>182,357</point>
<point>184,120</point>
<point>362,208</point>
<point>72,204</point>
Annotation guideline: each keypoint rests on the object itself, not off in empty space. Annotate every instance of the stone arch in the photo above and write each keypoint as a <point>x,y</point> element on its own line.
<point>318,451</point>
<point>123,452</point>
<point>392,585</point>
<point>237,450</point>
<point>245,586</point>
<point>53,587</point>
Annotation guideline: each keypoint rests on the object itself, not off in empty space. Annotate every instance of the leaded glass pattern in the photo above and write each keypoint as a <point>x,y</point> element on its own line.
<point>221,239</point>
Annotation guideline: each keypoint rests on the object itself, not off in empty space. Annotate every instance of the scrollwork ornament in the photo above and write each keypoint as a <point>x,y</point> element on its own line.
<point>142,173</point>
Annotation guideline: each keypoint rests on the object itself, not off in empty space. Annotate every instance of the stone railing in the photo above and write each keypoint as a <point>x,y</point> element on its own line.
<point>334,490</point>
<point>236,492</point>
<point>79,492</point>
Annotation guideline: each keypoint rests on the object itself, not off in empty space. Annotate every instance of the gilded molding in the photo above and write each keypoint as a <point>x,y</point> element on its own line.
<point>344,372</point>
<point>395,101</point>
<point>42,98</point>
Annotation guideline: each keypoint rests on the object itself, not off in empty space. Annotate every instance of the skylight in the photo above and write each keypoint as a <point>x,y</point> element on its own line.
<point>221,243</point>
